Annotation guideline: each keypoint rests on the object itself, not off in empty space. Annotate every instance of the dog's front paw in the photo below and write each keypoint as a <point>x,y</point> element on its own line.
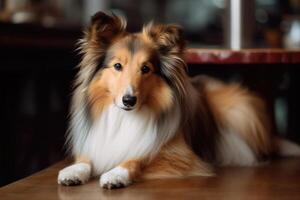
<point>75,174</point>
<point>116,178</point>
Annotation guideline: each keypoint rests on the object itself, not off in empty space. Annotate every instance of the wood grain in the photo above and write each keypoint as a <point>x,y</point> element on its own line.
<point>276,180</point>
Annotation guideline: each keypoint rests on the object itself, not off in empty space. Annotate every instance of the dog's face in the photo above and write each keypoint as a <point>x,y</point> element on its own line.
<point>132,70</point>
<point>130,74</point>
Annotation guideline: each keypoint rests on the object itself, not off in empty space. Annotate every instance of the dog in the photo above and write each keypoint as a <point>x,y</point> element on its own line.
<point>136,115</point>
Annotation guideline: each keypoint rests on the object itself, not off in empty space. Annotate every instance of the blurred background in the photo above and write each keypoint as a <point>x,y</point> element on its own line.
<point>38,59</point>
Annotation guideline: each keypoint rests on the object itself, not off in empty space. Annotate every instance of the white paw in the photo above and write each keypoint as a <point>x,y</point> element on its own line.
<point>116,178</point>
<point>75,174</point>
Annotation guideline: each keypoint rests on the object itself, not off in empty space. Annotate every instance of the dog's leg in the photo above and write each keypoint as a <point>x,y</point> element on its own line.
<point>122,175</point>
<point>76,174</point>
<point>176,159</point>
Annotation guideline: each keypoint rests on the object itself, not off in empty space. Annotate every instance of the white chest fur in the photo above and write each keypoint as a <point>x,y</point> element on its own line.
<point>120,135</point>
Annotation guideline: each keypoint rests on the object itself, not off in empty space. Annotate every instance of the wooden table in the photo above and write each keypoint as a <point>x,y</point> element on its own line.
<point>276,180</point>
<point>243,56</point>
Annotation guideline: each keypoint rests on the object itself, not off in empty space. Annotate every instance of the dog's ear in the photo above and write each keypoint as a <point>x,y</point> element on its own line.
<point>99,35</point>
<point>170,44</point>
<point>169,39</point>
<point>105,28</point>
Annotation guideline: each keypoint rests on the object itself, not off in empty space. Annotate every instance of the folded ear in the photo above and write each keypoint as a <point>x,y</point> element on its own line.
<point>105,28</point>
<point>169,39</point>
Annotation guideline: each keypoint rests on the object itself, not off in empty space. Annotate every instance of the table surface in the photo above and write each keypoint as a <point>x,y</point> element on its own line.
<point>275,180</point>
<point>243,56</point>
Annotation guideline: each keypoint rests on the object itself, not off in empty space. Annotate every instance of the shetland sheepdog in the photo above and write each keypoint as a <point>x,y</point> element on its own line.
<point>137,115</point>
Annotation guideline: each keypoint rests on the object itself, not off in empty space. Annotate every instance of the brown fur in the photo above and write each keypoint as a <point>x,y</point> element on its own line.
<point>234,97</point>
<point>99,96</point>
<point>82,159</point>
<point>134,167</point>
<point>241,110</point>
<point>176,159</point>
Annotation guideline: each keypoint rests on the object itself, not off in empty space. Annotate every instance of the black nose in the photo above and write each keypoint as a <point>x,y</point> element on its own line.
<point>129,101</point>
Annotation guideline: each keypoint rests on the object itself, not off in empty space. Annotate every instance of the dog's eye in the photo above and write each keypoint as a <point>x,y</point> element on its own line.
<point>118,66</point>
<point>145,69</point>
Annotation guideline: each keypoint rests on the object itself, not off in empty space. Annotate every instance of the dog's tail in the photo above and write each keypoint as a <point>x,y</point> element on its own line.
<point>286,148</point>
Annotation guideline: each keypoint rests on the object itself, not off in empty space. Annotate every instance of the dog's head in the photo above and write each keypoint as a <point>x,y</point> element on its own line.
<point>132,70</point>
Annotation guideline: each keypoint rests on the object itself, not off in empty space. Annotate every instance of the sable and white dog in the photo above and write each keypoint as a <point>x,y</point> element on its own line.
<point>137,115</point>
